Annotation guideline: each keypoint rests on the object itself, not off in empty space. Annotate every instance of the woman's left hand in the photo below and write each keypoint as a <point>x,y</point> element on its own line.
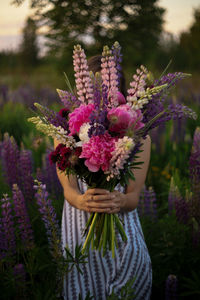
<point>118,200</point>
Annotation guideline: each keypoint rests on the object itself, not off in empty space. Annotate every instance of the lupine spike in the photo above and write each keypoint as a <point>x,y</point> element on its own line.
<point>83,81</point>
<point>23,220</point>
<point>116,51</point>
<point>49,218</point>
<point>50,177</point>
<point>25,174</point>
<point>10,158</point>
<point>147,205</point>
<point>171,288</point>
<point>8,225</point>
<point>68,99</point>
<point>109,76</point>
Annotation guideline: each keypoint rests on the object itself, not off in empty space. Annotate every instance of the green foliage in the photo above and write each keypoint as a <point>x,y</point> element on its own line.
<point>13,119</point>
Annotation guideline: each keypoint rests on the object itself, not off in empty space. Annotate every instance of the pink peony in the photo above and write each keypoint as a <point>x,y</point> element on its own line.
<point>124,118</point>
<point>98,152</point>
<point>120,97</point>
<point>79,116</point>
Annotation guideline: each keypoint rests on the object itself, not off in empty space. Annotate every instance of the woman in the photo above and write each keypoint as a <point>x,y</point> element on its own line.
<point>102,275</point>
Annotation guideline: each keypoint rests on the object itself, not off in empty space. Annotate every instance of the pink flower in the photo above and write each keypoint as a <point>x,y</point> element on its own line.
<point>123,119</point>
<point>79,116</point>
<point>98,152</point>
<point>120,97</point>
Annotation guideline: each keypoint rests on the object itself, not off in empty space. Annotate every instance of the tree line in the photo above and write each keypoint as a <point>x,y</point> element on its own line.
<point>136,24</point>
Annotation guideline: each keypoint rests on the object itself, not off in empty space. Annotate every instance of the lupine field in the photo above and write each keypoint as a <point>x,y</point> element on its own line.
<point>32,264</point>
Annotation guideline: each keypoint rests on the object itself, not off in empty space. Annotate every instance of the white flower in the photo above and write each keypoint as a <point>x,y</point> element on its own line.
<point>83,132</point>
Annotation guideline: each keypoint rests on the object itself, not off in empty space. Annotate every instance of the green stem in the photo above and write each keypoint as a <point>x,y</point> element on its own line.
<point>120,227</point>
<point>90,233</point>
<point>112,235</point>
<point>105,229</point>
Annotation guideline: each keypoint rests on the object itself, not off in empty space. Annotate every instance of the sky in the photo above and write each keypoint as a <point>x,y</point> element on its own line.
<point>178,18</point>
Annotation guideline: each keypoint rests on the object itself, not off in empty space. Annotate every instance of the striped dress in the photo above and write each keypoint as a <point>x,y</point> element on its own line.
<point>101,275</point>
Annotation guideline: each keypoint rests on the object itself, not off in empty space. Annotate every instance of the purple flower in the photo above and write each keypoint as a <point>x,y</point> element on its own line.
<point>23,220</point>
<point>68,99</point>
<point>8,225</point>
<point>194,170</point>
<point>147,205</point>
<point>116,52</point>
<point>10,157</point>
<point>19,273</point>
<point>171,288</point>
<point>25,174</point>
<point>48,176</point>
<point>49,218</point>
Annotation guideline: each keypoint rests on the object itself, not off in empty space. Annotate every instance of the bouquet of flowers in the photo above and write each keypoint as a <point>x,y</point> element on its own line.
<point>100,131</point>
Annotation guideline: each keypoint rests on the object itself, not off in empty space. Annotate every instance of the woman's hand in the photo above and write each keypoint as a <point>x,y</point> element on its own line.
<point>100,200</point>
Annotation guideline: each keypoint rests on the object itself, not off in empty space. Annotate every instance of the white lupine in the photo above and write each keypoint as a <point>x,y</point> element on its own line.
<point>55,132</point>
<point>144,96</point>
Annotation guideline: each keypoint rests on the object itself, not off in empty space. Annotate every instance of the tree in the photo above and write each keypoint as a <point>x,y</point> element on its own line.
<point>188,51</point>
<point>136,24</point>
<point>29,47</point>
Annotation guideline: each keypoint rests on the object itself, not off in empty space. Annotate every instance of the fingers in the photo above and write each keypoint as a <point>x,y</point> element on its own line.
<point>97,192</point>
<point>100,197</point>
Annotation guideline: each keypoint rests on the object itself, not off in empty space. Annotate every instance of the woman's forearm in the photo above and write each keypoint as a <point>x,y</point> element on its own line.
<point>129,201</point>
<point>70,188</point>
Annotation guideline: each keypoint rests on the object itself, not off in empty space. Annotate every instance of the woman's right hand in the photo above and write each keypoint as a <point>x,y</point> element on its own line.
<point>97,200</point>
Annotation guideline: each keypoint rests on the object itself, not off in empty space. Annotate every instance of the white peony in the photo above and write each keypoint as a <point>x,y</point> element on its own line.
<point>83,132</point>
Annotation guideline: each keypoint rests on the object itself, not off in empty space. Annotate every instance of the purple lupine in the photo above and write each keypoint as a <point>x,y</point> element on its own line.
<point>98,116</point>
<point>22,218</point>
<point>172,112</point>
<point>26,94</point>
<point>194,170</point>
<point>170,79</point>
<point>8,225</point>
<point>182,207</point>
<point>171,292</point>
<point>116,52</point>
<point>49,218</point>
<point>3,249</point>
<point>68,99</point>
<point>25,174</point>
<point>10,158</point>
<point>4,92</point>
<point>19,273</point>
<point>50,177</point>
<point>147,205</point>
<point>53,117</point>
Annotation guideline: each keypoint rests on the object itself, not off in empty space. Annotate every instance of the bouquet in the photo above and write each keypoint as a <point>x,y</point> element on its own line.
<point>100,130</point>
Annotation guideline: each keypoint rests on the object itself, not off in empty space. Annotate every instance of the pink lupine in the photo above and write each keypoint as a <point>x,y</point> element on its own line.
<point>83,81</point>
<point>120,155</point>
<point>109,76</point>
<point>138,84</point>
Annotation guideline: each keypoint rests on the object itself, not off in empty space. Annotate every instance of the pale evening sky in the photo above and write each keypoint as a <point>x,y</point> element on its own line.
<point>178,17</point>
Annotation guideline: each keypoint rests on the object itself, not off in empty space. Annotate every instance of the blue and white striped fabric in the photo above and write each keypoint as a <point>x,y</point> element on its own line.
<point>103,274</point>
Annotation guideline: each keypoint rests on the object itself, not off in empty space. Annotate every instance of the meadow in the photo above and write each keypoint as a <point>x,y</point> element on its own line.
<point>31,262</point>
